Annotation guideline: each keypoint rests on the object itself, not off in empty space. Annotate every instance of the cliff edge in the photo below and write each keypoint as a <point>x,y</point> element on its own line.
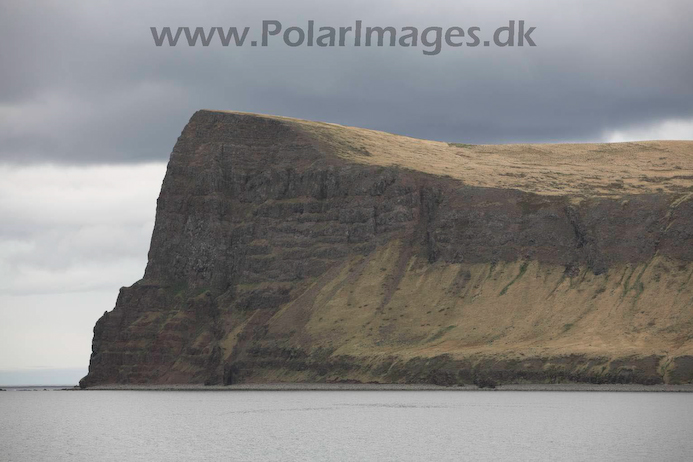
<point>294,251</point>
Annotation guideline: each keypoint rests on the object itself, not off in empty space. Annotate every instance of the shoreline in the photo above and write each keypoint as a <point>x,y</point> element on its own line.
<point>567,387</point>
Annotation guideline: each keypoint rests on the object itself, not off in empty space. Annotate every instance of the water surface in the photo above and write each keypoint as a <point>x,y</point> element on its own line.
<point>344,425</point>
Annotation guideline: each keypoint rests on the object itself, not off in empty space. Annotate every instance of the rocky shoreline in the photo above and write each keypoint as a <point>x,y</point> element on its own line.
<point>575,387</point>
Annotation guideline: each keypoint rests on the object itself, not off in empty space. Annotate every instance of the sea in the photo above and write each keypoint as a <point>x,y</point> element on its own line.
<point>240,425</point>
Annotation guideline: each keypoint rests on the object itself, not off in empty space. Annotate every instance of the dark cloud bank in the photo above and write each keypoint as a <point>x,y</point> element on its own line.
<point>83,82</point>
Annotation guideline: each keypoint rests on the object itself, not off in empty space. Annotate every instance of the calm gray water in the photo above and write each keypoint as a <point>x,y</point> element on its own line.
<point>344,425</point>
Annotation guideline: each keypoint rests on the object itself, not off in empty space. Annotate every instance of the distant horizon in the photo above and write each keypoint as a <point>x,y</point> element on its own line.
<point>48,377</point>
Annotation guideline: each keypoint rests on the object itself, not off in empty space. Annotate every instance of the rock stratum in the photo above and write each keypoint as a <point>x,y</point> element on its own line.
<point>294,251</point>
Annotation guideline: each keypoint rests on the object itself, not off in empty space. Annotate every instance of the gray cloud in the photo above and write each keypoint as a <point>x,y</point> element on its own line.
<point>84,83</point>
<point>75,228</point>
<point>70,237</point>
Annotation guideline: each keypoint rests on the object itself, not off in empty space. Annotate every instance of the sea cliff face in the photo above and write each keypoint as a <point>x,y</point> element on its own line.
<point>287,250</point>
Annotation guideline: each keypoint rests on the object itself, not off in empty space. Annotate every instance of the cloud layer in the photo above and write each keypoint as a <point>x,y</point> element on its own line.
<point>68,229</point>
<point>84,83</point>
<point>70,237</point>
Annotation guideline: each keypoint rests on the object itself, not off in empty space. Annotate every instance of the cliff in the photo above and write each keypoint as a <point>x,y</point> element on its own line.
<point>287,250</point>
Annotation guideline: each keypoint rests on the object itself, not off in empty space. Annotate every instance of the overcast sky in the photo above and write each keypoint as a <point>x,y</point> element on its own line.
<point>90,109</point>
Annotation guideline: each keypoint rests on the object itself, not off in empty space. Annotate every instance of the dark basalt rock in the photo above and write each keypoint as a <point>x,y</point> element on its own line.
<point>252,211</point>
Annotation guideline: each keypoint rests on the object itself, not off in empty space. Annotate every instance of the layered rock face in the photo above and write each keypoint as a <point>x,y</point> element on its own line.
<point>287,250</point>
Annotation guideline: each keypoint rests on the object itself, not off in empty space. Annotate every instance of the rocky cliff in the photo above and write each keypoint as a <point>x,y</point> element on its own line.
<point>287,250</point>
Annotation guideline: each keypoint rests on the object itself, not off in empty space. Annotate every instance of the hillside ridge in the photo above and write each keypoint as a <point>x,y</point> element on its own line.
<point>581,169</point>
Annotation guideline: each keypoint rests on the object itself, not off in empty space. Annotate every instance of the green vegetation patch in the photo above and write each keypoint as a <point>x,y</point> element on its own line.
<point>440,333</point>
<point>523,268</point>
